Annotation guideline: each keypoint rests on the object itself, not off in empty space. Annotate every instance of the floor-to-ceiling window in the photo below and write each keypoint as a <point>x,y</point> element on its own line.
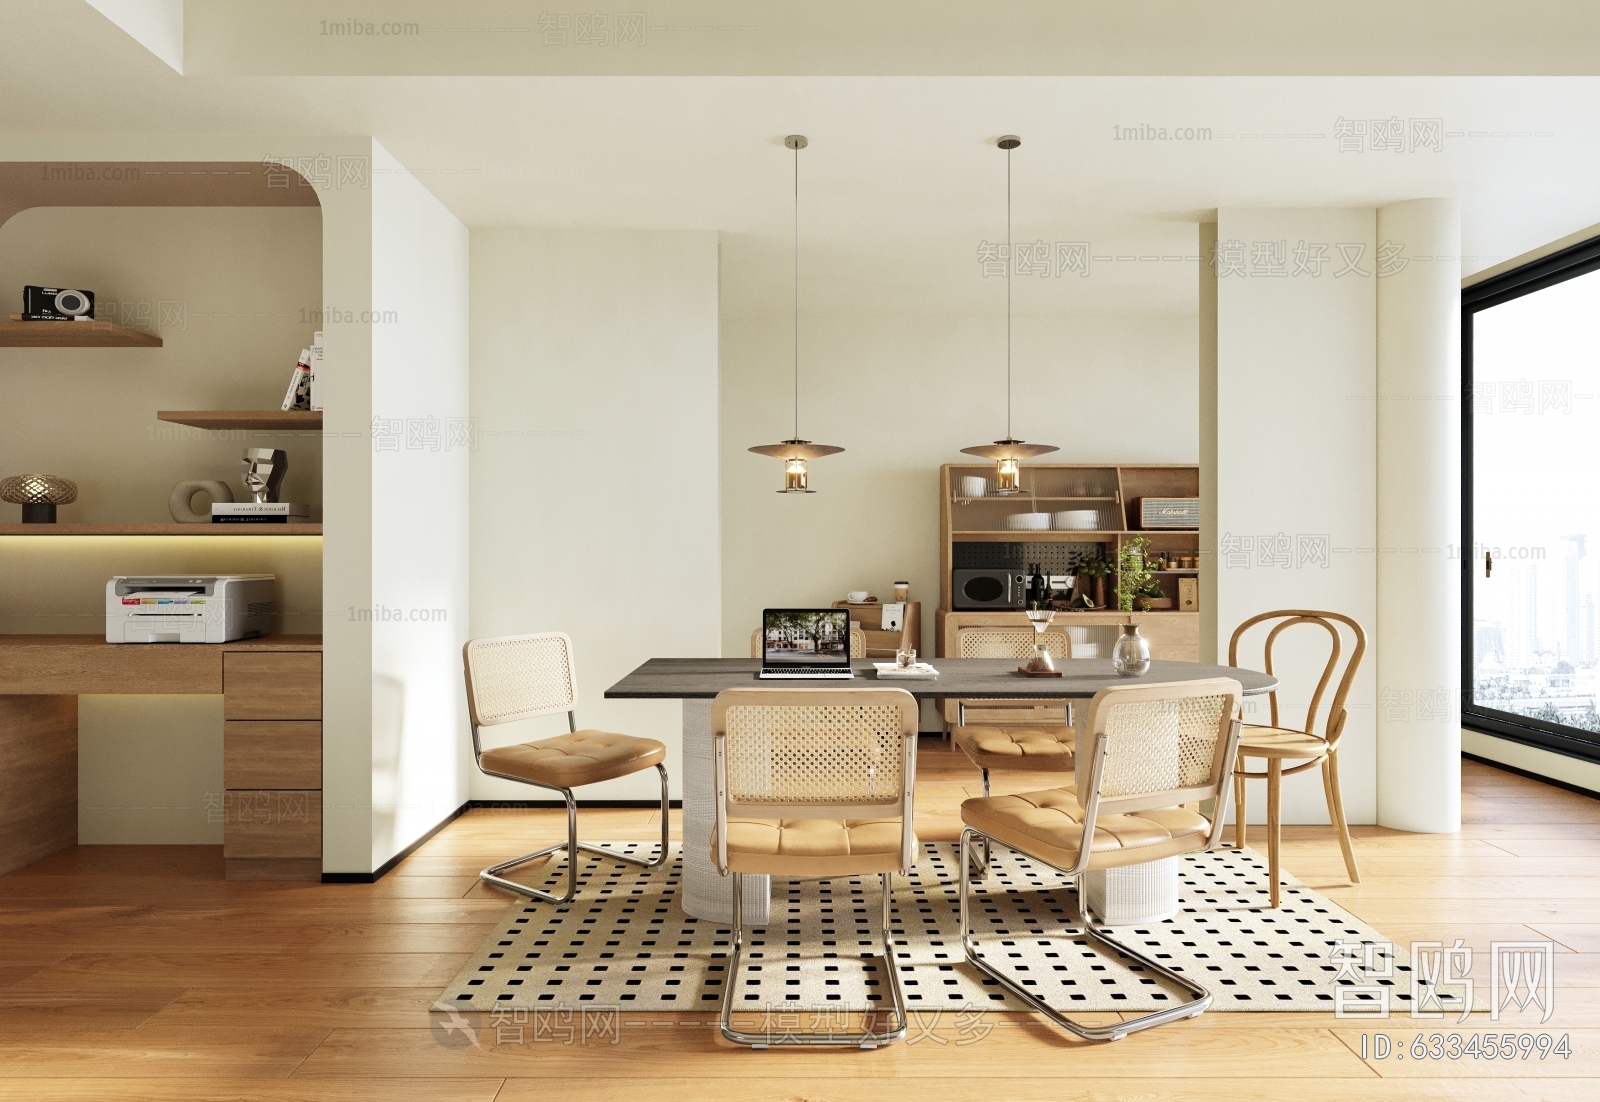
<point>1531,504</point>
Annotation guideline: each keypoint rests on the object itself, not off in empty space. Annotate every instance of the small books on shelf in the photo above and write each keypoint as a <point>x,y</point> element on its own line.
<point>299,395</point>
<point>305,385</point>
<point>259,512</point>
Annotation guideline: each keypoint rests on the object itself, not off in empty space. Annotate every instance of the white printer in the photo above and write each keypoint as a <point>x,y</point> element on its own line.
<point>175,608</point>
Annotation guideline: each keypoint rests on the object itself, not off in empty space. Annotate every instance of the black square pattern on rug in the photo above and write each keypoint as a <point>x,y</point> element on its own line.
<point>626,943</point>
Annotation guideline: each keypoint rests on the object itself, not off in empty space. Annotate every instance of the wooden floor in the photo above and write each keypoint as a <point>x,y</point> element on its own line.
<point>137,972</point>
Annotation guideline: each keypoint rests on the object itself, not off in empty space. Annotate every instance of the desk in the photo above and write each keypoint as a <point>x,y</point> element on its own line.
<point>709,895</point>
<point>272,741</point>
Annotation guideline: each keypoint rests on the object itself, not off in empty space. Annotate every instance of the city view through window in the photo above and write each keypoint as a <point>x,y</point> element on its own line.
<point>1536,453</point>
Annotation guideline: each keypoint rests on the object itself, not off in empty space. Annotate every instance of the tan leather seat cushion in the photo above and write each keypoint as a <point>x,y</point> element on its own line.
<point>812,847</point>
<point>1045,748</point>
<point>582,757</point>
<point>1049,825</point>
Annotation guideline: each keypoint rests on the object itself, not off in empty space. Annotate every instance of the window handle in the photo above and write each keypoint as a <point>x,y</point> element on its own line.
<point>1488,564</point>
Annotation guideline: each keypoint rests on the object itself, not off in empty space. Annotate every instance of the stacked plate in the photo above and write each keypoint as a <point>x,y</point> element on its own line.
<point>1073,520</point>
<point>1028,522</point>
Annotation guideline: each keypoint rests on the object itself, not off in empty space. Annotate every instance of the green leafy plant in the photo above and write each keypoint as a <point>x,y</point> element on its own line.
<point>1133,572</point>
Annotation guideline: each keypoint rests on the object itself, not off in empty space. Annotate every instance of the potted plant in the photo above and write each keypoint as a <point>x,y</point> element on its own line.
<point>1096,570</point>
<point>1133,572</point>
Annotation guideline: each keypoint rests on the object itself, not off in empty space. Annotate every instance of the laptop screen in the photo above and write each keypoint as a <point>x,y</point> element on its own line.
<point>818,638</point>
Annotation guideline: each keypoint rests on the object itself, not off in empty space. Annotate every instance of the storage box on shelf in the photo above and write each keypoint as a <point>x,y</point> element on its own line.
<point>1090,510</point>
<point>880,643</point>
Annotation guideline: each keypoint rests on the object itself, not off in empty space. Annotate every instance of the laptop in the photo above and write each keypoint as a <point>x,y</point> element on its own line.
<point>805,643</point>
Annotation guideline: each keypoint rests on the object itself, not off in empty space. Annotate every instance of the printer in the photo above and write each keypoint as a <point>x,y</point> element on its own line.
<point>176,608</point>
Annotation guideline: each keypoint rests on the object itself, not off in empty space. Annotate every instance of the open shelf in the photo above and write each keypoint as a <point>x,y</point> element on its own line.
<point>1038,535</point>
<point>160,529</point>
<point>72,334</point>
<point>294,420</point>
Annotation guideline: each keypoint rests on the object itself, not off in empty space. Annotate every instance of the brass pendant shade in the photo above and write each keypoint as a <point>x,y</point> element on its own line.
<point>795,452</point>
<point>1008,452</point>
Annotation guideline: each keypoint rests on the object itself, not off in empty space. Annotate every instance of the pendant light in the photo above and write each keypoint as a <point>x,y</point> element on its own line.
<point>796,452</point>
<point>1008,452</point>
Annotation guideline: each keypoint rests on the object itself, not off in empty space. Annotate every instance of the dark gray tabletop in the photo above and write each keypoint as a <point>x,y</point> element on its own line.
<point>686,678</point>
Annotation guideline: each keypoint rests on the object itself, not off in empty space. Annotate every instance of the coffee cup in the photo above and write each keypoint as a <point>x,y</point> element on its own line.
<point>902,591</point>
<point>857,596</point>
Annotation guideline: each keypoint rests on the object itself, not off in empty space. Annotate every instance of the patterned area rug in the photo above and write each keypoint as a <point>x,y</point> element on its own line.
<point>626,944</point>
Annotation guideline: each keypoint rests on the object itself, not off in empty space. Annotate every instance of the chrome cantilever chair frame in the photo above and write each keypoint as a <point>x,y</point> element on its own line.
<point>1200,999</point>
<point>492,874</point>
<point>867,1039</point>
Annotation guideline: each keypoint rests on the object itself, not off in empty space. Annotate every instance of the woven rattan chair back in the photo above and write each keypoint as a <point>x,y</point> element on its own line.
<point>816,754</point>
<point>516,677</point>
<point>1329,622</point>
<point>1010,642</point>
<point>858,642</point>
<point>1147,746</point>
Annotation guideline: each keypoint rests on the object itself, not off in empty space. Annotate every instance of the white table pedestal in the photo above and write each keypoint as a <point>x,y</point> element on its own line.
<point>707,894</point>
<point>1134,894</point>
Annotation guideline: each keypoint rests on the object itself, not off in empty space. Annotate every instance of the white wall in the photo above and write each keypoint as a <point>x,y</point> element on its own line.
<point>594,486</point>
<point>420,494</point>
<point>1296,460</point>
<point>904,395</point>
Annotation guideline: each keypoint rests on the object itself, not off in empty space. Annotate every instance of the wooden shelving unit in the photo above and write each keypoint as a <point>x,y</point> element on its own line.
<point>222,530</point>
<point>72,334</point>
<point>1111,490</point>
<point>265,419</point>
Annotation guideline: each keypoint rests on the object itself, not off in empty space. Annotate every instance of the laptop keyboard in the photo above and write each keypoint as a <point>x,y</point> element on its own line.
<point>808,675</point>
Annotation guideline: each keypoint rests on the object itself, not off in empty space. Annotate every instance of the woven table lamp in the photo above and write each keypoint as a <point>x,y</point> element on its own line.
<point>38,494</point>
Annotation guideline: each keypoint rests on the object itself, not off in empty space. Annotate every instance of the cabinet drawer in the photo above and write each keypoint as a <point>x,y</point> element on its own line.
<point>271,754</point>
<point>284,685</point>
<point>272,823</point>
<point>1171,627</point>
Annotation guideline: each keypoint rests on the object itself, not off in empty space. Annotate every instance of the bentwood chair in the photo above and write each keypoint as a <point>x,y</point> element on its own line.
<point>516,677</point>
<point>858,642</point>
<point>1145,751</point>
<point>1277,743</point>
<point>814,783</point>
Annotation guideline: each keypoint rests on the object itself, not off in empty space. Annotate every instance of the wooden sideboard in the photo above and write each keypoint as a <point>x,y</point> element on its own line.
<point>271,693</point>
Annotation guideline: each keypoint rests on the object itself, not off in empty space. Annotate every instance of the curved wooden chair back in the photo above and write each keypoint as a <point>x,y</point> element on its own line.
<point>1328,621</point>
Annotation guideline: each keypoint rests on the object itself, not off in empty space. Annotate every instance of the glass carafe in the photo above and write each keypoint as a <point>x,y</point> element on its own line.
<point>1041,661</point>
<point>1131,656</point>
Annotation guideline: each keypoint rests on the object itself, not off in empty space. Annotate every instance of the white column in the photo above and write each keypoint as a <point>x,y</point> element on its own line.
<point>1419,516</point>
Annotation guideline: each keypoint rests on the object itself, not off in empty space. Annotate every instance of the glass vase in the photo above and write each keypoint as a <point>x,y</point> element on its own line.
<point>1131,656</point>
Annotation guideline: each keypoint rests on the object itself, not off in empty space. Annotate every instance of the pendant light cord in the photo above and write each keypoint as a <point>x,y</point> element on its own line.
<point>1010,263</point>
<point>796,293</point>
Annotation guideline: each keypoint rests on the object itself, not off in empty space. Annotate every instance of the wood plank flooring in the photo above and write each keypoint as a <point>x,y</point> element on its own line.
<point>133,972</point>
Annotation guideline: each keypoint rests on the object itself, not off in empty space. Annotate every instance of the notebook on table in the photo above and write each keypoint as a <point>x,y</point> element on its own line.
<point>805,643</point>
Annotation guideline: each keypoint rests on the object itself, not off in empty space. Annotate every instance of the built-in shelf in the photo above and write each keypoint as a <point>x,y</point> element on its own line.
<point>160,529</point>
<point>294,420</point>
<point>72,334</point>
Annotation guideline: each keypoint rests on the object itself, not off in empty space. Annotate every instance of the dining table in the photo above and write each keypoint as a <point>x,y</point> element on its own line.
<point>708,894</point>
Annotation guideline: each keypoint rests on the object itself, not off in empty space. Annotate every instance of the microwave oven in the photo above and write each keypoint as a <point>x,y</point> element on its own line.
<point>981,589</point>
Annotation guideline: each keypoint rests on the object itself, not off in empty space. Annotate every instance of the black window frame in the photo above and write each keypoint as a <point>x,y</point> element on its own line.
<point>1569,263</point>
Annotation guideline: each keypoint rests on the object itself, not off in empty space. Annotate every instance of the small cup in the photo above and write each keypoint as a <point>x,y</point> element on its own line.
<point>906,658</point>
<point>902,591</point>
<point>857,596</point>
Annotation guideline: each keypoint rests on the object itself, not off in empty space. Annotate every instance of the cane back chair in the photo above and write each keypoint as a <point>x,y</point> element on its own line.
<point>1277,743</point>
<point>1145,751</point>
<point>516,677</point>
<point>1030,734</point>
<point>814,783</point>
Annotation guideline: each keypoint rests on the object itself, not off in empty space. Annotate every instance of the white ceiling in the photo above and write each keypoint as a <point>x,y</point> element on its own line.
<point>901,182</point>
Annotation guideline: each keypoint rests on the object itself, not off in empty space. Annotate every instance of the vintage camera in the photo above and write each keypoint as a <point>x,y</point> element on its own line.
<point>56,304</point>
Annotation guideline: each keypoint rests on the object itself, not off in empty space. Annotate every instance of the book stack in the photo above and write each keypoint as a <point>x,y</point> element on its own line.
<point>305,386</point>
<point>259,512</point>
